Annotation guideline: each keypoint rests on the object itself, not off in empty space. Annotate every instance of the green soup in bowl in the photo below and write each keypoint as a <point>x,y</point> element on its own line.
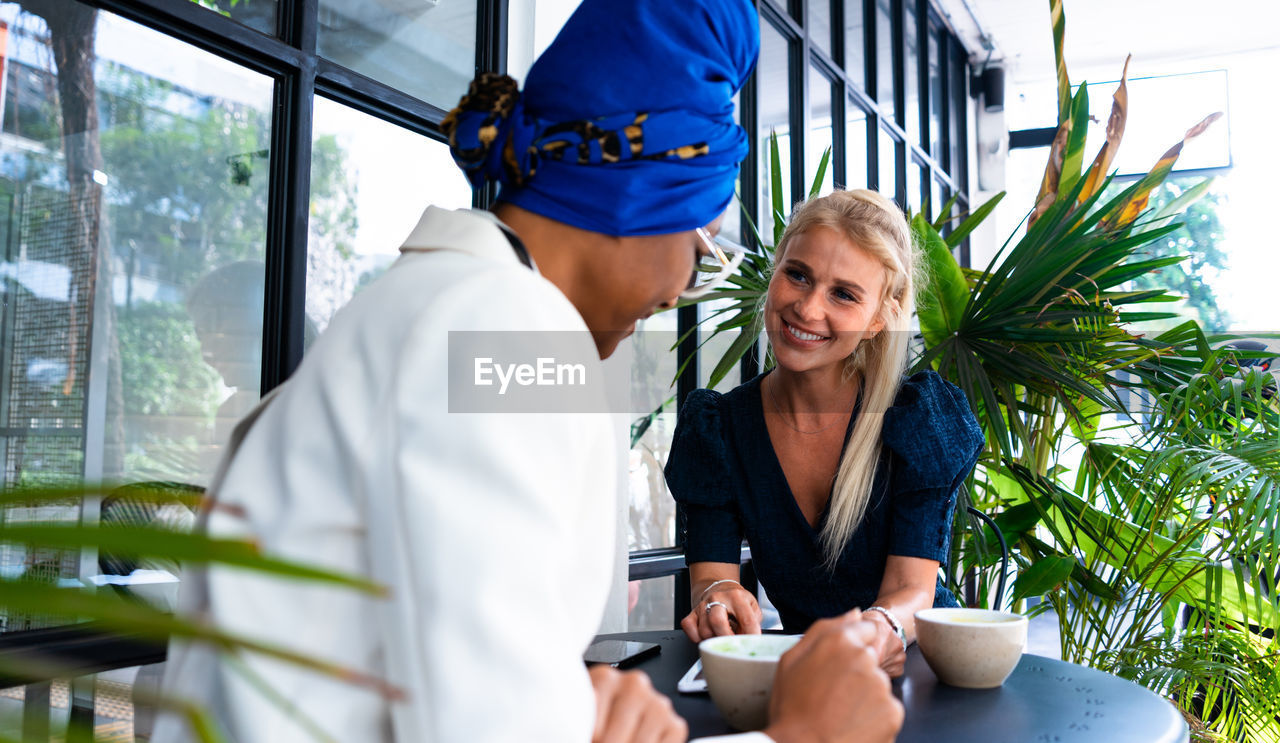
<point>739,670</point>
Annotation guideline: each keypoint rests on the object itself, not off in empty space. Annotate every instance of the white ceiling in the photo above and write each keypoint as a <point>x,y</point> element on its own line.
<point>1099,33</point>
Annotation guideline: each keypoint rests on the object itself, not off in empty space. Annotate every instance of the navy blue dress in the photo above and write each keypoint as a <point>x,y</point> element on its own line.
<point>728,483</point>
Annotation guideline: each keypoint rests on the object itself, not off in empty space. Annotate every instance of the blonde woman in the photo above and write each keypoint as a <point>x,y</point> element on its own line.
<point>841,475</point>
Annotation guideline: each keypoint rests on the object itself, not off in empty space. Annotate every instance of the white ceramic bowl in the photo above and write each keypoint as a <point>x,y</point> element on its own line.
<point>971,648</point>
<point>739,671</point>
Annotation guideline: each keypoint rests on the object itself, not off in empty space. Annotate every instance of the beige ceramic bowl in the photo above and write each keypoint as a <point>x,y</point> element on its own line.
<point>971,648</point>
<point>739,671</point>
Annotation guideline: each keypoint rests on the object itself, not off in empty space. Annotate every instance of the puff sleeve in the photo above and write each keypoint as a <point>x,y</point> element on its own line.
<point>699,479</point>
<point>934,441</point>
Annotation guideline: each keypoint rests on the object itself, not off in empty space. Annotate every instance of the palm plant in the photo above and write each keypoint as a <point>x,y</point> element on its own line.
<point>1158,548</point>
<point>140,621</point>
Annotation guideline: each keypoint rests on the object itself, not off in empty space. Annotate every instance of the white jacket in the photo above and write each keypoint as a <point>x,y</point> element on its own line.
<point>493,531</point>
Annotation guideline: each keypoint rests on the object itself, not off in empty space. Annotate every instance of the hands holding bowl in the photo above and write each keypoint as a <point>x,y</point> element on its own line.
<point>826,685</point>
<point>726,608</point>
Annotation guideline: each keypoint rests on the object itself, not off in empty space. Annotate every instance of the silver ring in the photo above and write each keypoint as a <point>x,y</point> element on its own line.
<point>717,603</point>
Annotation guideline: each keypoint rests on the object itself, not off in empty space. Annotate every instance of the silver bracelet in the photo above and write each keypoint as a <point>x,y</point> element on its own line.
<point>713,584</point>
<point>893,622</point>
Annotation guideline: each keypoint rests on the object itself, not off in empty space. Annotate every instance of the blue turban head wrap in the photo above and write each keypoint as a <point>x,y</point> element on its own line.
<point>625,126</point>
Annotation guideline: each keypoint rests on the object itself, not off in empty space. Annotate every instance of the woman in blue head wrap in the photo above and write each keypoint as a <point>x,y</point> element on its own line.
<point>492,526</point>
<point>615,164</point>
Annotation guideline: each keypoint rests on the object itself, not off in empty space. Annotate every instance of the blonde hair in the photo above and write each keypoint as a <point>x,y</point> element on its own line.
<point>875,224</point>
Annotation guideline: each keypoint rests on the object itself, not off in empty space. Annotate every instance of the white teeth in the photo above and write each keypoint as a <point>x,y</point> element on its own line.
<point>804,336</point>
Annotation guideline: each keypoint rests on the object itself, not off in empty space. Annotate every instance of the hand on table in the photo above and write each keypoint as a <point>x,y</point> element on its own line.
<point>830,687</point>
<point>629,710</point>
<point>726,609</point>
<point>887,644</point>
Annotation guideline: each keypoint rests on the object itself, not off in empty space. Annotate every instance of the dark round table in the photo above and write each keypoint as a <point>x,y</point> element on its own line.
<point>1043,701</point>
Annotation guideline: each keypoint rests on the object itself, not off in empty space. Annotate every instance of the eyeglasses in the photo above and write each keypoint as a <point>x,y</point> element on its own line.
<point>721,260</point>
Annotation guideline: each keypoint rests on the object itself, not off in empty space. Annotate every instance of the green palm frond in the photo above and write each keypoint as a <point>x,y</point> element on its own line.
<point>33,595</point>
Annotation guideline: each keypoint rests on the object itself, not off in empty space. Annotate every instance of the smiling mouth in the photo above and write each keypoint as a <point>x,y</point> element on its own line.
<point>801,335</point>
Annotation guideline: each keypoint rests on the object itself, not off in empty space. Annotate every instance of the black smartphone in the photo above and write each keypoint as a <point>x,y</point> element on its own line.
<point>620,653</point>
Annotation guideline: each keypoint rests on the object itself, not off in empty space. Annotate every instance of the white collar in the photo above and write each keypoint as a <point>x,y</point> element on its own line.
<point>472,231</point>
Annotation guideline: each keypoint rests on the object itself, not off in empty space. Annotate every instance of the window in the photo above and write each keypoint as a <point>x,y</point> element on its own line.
<point>422,47</point>
<point>855,46</point>
<point>370,181</point>
<point>917,180</point>
<point>819,20</point>
<point>937,197</point>
<point>910,115</point>
<point>134,260</point>
<point>855,131</point>
<point>957,120</point>
<point>821,136</point>
<point>890,159</point>
<point>260,15</point>
<point>885,65</point>
<point>653,368</point>
<point>773,80</point>
<point>937,103</point>
<point>134,257</point>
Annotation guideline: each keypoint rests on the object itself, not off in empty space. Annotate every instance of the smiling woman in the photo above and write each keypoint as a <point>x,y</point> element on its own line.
<point>841,476</point>
<point>825,298</point>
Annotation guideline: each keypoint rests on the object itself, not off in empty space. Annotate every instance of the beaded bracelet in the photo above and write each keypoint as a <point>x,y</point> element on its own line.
<point>893,622</point>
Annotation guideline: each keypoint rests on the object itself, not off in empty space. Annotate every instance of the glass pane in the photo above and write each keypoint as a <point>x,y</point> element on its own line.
<point>855,128</point>
<point>427,48</point>
<point>820,24</point>
<point>652,514</point>
<point>956,118</point>
<point>651,604</point>
<point>370,181</point>
<point>530,30</point>
<point>653,367</point>
<point>131,325</point>
<point>1158,107</point>
<point>888,158</point>
<point>936,199</point>
<point>713,348</point>
<point>1023,173</point>
<point>774,72</point>
<point>941,194</point>
<point>855,45</point>
<point>916,180</point>
<point>936,101</point>
<point>256,14</point>
<point>911,77</point>
<point>884,55</point>
<point>820,138</point>
<point>731,226</point>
